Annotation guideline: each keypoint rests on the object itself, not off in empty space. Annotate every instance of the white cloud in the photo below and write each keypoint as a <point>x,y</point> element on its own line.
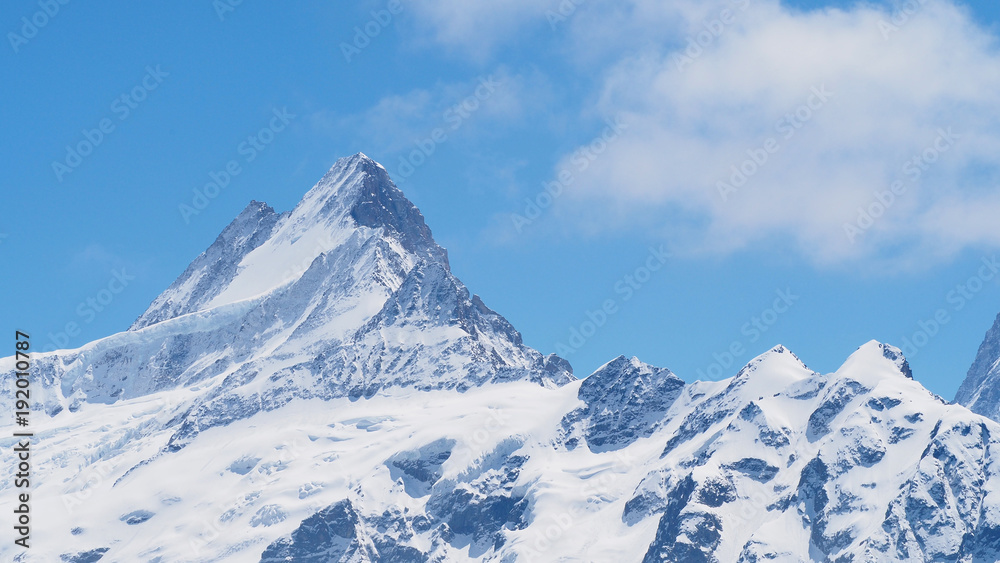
<point>474,28</point>
<point>390,124</point>
<point>482,103</point>
<point>893,92</point>
<point>590,29</point>
<point>899,76</point>
<point>405,131</point>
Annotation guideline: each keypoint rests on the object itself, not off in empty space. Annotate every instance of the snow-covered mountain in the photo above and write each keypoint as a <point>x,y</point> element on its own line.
<point>317,386</point>
<point>344,295</point>
<point>980,391</point>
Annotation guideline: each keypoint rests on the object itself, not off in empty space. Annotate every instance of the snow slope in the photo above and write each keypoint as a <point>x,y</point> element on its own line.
<point>317,386</point>
<point>777,463</point>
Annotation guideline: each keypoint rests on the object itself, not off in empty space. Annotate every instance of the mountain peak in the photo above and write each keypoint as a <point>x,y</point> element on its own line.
<point>199,284</point>
<point>361,188</point>
<point>777,357</point>
<point>770,372</point>
<point>344,167</point>
<point>895,355</point>
<point>862,364</point>
<point>261,251</point>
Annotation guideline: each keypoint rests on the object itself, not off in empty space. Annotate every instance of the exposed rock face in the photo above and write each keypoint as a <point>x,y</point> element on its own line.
<point>625,400</point>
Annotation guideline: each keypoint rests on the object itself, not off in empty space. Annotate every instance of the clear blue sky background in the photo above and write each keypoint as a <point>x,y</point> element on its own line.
<point>63,241</point>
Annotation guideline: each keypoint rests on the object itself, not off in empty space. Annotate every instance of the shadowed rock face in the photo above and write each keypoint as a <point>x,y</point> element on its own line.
<point>329,535</point>
<point>380,204</point>
<point>92,556</point>
<point>981,389</point>
<point>420,470</point>
<point>470,514</point>
<point>625,400</point>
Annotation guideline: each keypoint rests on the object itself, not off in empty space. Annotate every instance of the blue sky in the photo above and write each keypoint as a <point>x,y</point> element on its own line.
<point>740,137</point>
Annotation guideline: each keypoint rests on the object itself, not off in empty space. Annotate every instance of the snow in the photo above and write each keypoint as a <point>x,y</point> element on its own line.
<point>272,266</point>
<point>294,461</point>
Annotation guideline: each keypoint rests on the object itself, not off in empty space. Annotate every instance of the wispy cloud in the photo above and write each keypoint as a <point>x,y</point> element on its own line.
<point>474,29</point>
<point>96,256</point>
<point>486,104</point>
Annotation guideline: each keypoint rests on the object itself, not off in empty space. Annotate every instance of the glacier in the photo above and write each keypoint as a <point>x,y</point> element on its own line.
<point>318,386</point>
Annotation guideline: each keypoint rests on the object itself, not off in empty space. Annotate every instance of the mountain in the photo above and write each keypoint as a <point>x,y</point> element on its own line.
<point>317,386</point>
<point>345,295</point>
<point>980,391</point>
